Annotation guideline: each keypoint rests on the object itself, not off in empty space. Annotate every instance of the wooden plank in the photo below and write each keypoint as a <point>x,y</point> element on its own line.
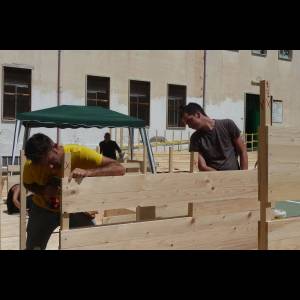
<point>13,168</point>
<point>223,207</point>
<point>132,165</point>
<point>195,233</point>
<point>194,162</point>
<point>119,219</point>
<point>284,170</point>
<point>145,213</point>
<point>1,186</point>
<point>118,212</point>
<point>153,190</point>
<point>23,205</point>
<point>285,244</point>
<point>65,217</point>
<point>284,228</point>
<point>171,160</point>
<point>265,103</point>
<point>263,163</point>
<point>171,210</point>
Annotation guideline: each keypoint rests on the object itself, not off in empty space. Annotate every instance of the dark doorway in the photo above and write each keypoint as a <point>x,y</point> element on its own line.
<point>252,120</point>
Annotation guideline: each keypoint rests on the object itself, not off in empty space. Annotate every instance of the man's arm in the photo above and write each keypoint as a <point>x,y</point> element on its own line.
<point>109,167</point>
<point>118,148</point>
<point>241,149</point>
<point>16,196</point>
<point>202,166</point>
<point>101,147</point>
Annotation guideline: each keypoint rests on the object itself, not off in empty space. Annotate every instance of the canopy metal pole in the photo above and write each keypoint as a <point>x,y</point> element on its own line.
<point>146,142</point>
<point>131,141</point>
<point>26,136</point>
<point>16,139</point>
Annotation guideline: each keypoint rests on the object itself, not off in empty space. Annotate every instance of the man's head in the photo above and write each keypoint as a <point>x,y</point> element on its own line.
<point>193,115</point>
<point>107,136</point>
<point>40,149</point>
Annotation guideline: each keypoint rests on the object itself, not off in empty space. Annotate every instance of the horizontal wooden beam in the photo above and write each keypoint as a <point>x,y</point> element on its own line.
<point>101,193</point>
<point>177,233</point>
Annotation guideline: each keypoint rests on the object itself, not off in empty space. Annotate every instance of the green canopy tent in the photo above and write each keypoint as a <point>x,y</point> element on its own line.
<point>75,116</point>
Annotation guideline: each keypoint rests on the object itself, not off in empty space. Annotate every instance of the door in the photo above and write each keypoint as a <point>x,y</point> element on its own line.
<point>252,120</point>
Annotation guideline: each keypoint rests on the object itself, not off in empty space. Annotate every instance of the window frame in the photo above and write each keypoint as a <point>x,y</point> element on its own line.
<point>14,66</point>
<point>285,59</point>
<point>86,89</point>
<point>259,54</point>
<point>167,108</point>
<point>129,96</point>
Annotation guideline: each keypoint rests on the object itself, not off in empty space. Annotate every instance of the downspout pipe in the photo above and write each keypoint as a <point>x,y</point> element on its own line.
<point>204,80</point>
<point>58,91</point>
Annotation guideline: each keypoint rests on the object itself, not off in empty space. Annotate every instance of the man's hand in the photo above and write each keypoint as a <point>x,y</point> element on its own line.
<point>50,192</point>
<point>78,174</point>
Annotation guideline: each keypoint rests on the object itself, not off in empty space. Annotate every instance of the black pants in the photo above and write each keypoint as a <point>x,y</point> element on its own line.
<point>43,222</point>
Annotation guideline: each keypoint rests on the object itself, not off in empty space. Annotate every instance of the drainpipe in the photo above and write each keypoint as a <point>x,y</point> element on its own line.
<point>204,80</point>
<point>58,92</point>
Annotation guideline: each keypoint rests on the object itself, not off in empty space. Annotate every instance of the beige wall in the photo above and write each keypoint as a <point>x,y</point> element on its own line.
<point>229,76</point>
<point>160,67</point>
<point>44,87</point>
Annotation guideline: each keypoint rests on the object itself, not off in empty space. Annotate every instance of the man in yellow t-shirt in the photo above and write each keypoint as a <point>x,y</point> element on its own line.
<point>42,167</point>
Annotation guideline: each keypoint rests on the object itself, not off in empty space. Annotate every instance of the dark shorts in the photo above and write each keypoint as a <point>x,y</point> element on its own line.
<point>43,222</point>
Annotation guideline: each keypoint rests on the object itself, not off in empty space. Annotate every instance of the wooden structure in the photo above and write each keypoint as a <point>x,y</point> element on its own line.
<point>191,210</point>
<point>279,178</point>
<point>221,210</point>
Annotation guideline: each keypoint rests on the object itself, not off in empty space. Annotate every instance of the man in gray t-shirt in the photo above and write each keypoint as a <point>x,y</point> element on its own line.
<point>218,142</point>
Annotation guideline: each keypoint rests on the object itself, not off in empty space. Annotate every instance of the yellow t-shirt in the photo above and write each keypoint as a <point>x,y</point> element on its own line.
<point>81,157</point>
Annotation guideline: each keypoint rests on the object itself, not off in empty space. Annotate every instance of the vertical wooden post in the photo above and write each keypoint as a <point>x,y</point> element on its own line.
<point>145,160</point>
<point>23,204</point>
<point>263,191</point>
<point>172,137</point>
<point>156,140</point>
<point>1,187</point>
<point>170,159</point>
<point>64,217</point>
<point>193,162</point>
<point>181,140</point>
<point>165,140</point>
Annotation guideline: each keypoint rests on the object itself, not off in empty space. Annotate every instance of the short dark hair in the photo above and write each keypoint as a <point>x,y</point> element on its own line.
<point>37,147</point>
<point>193,108</point>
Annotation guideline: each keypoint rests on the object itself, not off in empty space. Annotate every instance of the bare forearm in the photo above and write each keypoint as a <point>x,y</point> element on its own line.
<point>244,160</point>
<point>205,168</point>
<point>109,170</point>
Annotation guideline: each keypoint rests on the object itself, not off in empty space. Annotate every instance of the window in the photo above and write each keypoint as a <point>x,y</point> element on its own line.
<point>285,54</point>
<point>140,100</point>
<point>7,160</point>
<point>97,92</point>
<point>16,92</point>
<point>259,52</point>
<point>176,99</point>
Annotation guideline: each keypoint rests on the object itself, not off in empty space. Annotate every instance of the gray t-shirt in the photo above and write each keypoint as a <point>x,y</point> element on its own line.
<point>216,145</point>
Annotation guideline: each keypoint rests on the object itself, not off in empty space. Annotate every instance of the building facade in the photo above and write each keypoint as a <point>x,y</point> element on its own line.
<point>149,84</point>
<point>231,92</point>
